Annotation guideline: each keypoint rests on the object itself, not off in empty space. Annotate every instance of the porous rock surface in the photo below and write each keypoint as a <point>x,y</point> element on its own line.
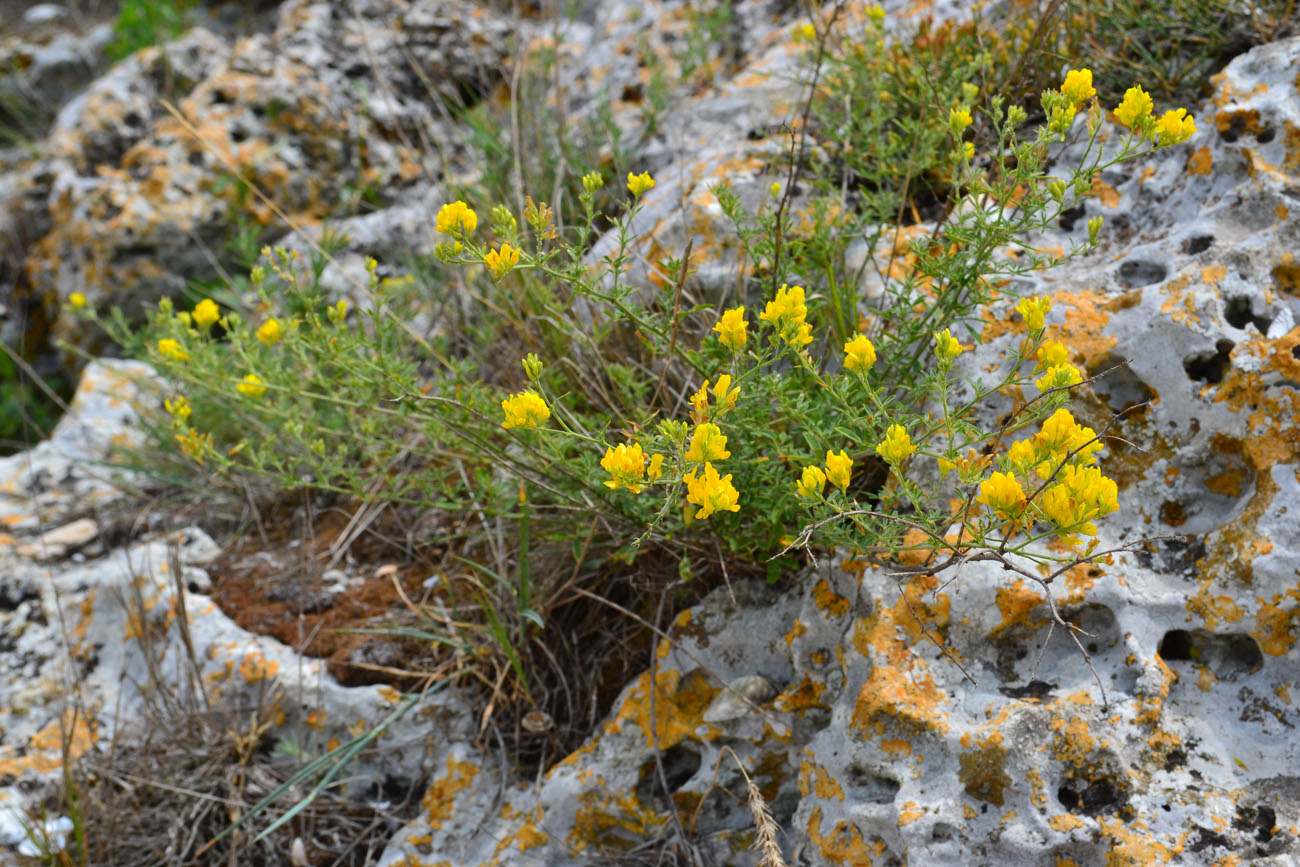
<point>876,749</point>
<point>868,744</point>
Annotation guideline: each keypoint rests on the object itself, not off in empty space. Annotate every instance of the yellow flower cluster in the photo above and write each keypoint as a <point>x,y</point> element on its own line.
<point>527,410</point>
<point>711,492</point>
<point>456,218</point>
<point>640,184</point>
<point>731,329</point>
<point>206,313</point>
<point>788,314</point>
<point>499,262</point>
<point>859,354</point>
<point>897,446</point>
<point>707,444</point>
<point>77,300</point>
<point>1135,112</point>
<point>1064,452</point>
<point>724,400</point>
<point>172,350</point>
<point>946,346</point>
<point>839,471</point>
<point>195,445</point>
<point>251,386</point>
<point>270,332</point>
<point>1062,105</point>
<point>626,465</point>
<point>178,408</point>
<point>1034,310</point>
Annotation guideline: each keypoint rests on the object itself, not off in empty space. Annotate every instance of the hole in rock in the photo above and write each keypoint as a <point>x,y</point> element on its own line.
<point>1266,135</point>
<point>1210,366</point>
<point>870,786</point>
<point>1035,690</point>
<point>1094,797</point>
<point>1070,216</point>
<point>1260,820</point>
<point>1198,244</point>
<point>1228,655</point>
<point>1172,514</point>
<point>1121,387</point>
<point>1295,350</point>
<point>1239,314</point>
<point>680,761</point>
<point>1136,272</point>
<point>1204,838</point>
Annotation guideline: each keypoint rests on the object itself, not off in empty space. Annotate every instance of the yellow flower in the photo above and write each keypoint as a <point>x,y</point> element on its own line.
<point>707,444</point>
<point>251,386</point>
<point>1059,436</point>
<point>859,354</point>
<point>172,350</point>
<point>810,484</point>
<point>639,184</point>
<point>968,148</point>
<point>839,469</point>
<point>731,329</point>
<point>592,181</point>
<point>500,262</point>
<point>270,332</point>
<point>876,13</point>
<point>656,468</point>
<point>526,409</point>
<point>787,313</point>
<point>775,190</point>
<point>805,33</point>
<point>711,493</point>
<point>1003,494</point>
<point>455,217</point>
<point>626,466</point>
<point>959,119</point>
<point>1174,127</point>
<point>946,346</point>
<point>1135,107</point>
<point>338,312</point>
<point>77,300</point>
<point>1081,496</point>
<point>1060,376</point>
<point>1078,85</point>
<point>896,446</point>
<point>206,313</point>
<point>179,408</point>
<point>1034,310</point>
<point>724,397</point>
<point>1051,354</point>
<point>1021,455</point>
<point>195,445</point>
<point>788,306</point>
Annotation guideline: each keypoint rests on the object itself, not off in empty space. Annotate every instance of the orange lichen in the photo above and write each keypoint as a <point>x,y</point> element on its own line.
<point>1015,603</point>
<point>799,697</point>
<point>1286,274</point>
<point>1227,483</point>
<point>679,705</point>
<point>983,770</point>
<point>1065,822</point>
<point>45,753</point>
<point>813,778</point>
<point>843,844</point>
<point>1274,622</point>
<point>255,667</point>
<point>900,689</point>
<point>612,821</point>
<point>1200,162</point>
<point>440,798</point>
<point>896,747</point>
<point>1084,328</point>
<point>910,812</point>
<point>828,600</point>
<point>1108,195</point>
<point>1134,846</point>
<point>1212,609</point>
